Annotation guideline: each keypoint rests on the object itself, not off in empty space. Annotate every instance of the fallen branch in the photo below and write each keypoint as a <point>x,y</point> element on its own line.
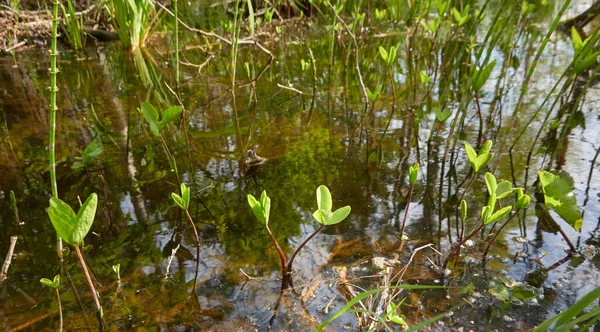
<point>8,259</point>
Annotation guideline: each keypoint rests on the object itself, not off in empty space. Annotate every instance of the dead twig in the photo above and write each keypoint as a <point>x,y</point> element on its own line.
<point>8,259</point>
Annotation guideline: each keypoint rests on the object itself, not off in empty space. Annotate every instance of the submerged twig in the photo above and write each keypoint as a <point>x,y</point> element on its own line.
<point>8,259</point>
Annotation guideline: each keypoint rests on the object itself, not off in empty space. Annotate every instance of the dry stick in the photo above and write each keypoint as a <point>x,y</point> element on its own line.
<point>92,289</point>
<point>60,315</point>
<point>8,259</point>
<point>173,252</point>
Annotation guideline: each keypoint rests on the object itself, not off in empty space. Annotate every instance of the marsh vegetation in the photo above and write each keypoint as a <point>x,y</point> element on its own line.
<point>452,147</point>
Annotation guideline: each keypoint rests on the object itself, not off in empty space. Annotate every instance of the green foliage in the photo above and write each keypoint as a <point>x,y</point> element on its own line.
<point>463,210</point>
<point>389,56</point>
<point>182,201</point>
<point>433,25</point>
<point>51,283</point>
<point>559,196</point>
<point>88,155</point>
<point>442,6</point>
<point>481,159</point>
<point>413,172</point>
<point>488,213</point>
<point>480,76</point>
<point>374,95</point>
<point>380,15</point>
<point>69,226</point>
<point>73,26</point>
<point>262,208</point>
<point>324,215</point>
<point>461,17</point>
<point>132,20</point>
<point>584,56</point>
<point>567,319</point>
<point>440,115</point>
<point>425,79</point>
<point>151,116</point>
<point>359,297</point>
<point>13,200</point>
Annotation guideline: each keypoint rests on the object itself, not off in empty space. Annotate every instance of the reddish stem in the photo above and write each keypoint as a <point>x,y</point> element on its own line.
<point>91,286</point>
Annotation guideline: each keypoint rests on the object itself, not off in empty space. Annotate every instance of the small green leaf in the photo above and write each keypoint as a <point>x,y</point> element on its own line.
<point>482,161</point>
<point>424,77</point>
<point>257,209</point>
<point>490,182</point>
<point>498,215</point>
<point>324,198</point>
<point>471,155</point>
<point>185,195</point>
<point>523,202</point>
<point>485,214</point>
<point>13,200</point>
<point>463,210</point>
<point>178,200</point>
<point>383,53</point>
<point>413,172</point>
<point>584,64</point>
<point>117,269</point>
<point>169,115</point>
<point>487,146</point>
<point>503,189</point>
<point>576,39</point>
<point>151,116</point>
<point>338,216</point>
<point>559,196</point>
<point>481,76</point>
<point>322,216</point>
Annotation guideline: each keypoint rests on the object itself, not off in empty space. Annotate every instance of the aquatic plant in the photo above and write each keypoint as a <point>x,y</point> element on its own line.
<point>55,284</point>
<point>573,316</point>
<point>413,172</point>
<point>323,215</point>
<point>183,201</point>
<point>132,20</point>
<point>73,26</point>
<point>73,228</point>
<point>88,155</point>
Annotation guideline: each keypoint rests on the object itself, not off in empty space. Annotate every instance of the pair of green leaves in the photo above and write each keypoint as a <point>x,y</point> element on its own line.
<point>442,115</point>
<point>496,191</point>
<point>412,173</point>
<point>559,196</point>
<point>324,215</point>
<point>461,17</point>
<point>481,159</point>
<point>262,208</point>
<point>425,79</point>
<point>71,227</point>
<point>151,116</point>
<point>182,201</point>
<point>88,155</point>
<point>51,283</point>
<point>433,25</point>
<point>442,6</point>
<point>584,56</point>
<point>389,56</point>
<point>380,14</point>
<point>374,95</point>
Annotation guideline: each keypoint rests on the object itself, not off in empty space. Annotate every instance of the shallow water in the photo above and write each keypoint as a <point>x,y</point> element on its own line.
<point>308,140</point>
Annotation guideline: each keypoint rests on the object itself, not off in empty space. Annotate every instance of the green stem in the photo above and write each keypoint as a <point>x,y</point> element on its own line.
<point>86,273</point>
<point>176,45</point>
<point>291,262</point>
<point>189,218</point>
<point>60,316</point>
<point>53,108</point>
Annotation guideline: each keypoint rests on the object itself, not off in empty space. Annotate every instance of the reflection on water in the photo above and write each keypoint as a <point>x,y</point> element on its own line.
<point>361,154</point>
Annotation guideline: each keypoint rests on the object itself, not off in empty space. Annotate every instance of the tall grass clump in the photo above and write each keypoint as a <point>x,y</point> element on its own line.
<point>73,26</point>
<point>133,21</point>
